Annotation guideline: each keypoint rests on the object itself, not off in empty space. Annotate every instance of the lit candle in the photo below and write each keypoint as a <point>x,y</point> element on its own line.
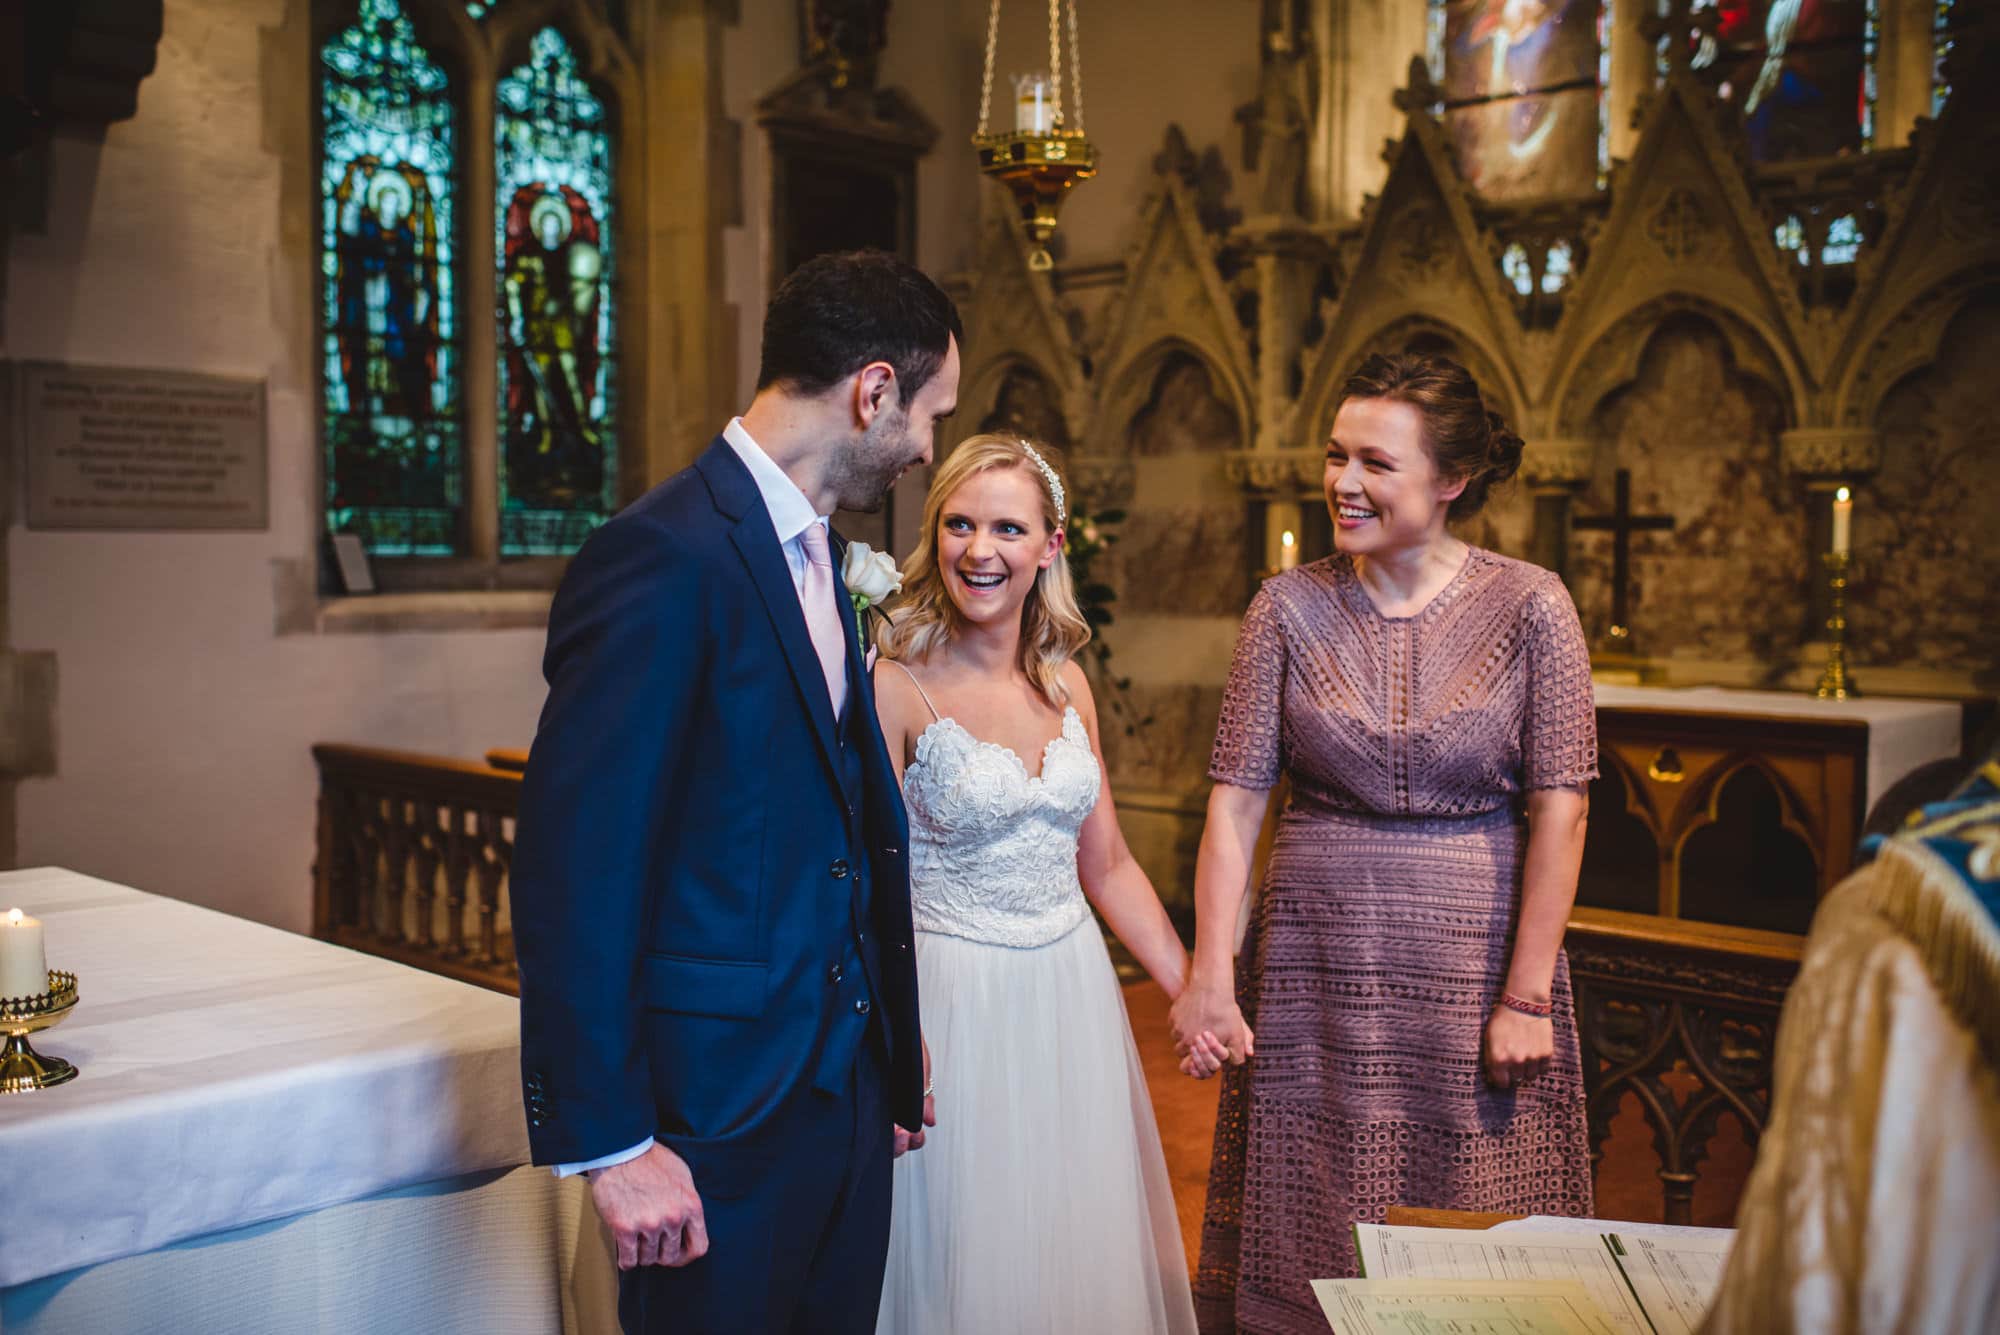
<point>1288,550</point>
<point>1032,112</point>
<point>24,970</point>
<point>1843,514</point>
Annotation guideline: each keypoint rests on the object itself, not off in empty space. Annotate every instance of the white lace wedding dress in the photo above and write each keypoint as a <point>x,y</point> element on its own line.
<point>1040,1203</point>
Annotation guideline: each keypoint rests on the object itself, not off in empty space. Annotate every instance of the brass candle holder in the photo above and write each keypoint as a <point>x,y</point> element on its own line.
<point>1833,682</point>
<point>22,1068</point>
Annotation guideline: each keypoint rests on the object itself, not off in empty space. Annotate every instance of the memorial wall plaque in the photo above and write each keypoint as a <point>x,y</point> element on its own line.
<point>109,448</point>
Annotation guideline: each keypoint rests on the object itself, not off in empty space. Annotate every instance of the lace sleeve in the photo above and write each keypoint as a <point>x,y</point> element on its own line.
<point>1249,737</point>
<point>1559,727</point>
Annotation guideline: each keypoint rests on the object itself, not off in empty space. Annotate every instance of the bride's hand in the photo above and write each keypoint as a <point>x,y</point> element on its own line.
<point>1204,1057</point>
<point>1208,1010</point>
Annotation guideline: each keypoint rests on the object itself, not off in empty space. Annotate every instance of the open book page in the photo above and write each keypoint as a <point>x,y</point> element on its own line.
<point>1625,1228</point>
<point>1675,1278</point>
<point>1449,1307</point>
<point>1395,1252</point>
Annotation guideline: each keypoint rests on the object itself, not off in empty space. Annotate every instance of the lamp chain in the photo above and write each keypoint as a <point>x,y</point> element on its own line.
<point>1075,68</point>
<point>1055,63</point>
<point>986,83</point>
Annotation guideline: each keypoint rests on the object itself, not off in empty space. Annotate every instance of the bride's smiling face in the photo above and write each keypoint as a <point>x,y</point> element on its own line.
<point>992,540</point>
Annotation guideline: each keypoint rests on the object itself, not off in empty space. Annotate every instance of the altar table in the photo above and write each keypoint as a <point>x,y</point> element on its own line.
<point>1743,807</point>
<point>270,1133</point>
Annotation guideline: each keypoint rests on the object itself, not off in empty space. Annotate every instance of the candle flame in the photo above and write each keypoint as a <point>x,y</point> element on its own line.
<point>1841,495</point>
<point>13,917</point>
<point>1288,540</point>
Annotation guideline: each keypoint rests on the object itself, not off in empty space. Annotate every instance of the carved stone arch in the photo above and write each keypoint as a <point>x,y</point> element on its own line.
<point>1908,341</point>
<point>1684,226</point>
<point>1498,382</point>
<point>1131,386</point>
<point>982,395</point>
<point>1612,357</point>
<point>1172,293</point>
<point>1013,318</point>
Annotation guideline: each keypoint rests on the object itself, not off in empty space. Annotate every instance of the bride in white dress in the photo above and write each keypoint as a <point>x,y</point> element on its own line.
<point>1041,1202</point>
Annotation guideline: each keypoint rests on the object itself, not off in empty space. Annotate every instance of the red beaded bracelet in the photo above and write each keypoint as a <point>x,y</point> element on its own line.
<point>1541,1010</point>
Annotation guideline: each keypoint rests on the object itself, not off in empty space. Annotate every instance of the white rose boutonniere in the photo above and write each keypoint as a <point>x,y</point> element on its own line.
<point>870,577</point>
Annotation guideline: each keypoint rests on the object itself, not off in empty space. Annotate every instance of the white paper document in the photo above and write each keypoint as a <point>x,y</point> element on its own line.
<point>1584,1259</point>
<point>1624,1228</point>
<point>1675,1279</point>
<point>1456,1307</point>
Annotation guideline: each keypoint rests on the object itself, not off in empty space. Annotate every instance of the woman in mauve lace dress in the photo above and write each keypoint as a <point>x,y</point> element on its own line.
<point>1403,1002</point>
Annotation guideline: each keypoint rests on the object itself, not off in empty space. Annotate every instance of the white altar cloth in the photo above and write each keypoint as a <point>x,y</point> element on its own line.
<point>1902,734</point>
<point>234,1076</point>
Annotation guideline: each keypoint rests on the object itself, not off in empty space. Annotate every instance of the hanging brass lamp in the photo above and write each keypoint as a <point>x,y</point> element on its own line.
<point>1046,152</point>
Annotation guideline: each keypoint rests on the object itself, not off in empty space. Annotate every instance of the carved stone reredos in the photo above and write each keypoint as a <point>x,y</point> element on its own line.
<point>1421,264</point>
<point>1013,317</point>
<point>1173,297</point>
<point>1685,228</point>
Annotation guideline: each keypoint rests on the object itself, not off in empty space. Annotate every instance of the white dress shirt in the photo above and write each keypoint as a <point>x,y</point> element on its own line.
<point>791,512</point>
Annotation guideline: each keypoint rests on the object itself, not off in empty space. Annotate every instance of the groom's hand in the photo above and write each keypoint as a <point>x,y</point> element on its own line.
<point>914,1140</point>
<point>651,1207</point>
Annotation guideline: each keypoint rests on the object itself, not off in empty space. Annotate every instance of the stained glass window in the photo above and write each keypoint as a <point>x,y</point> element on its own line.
<point>1952,24</point>
<point>1801,72</point>
<point>558,367</point>
<point>1556,269</point>
<point>1842,244</point>
<point>479,9</point>
<point>1523,93</point>
<point>1514,266</point>
<point>393,431</point>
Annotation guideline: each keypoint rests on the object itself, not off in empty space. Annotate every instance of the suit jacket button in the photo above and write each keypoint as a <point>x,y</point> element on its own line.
<point>861,1006</point>
<point>839,868</point>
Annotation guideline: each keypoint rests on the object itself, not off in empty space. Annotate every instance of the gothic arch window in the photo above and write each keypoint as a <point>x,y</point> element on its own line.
<point>463,459</point>
<point>558,367</point>
<point>392,421</point>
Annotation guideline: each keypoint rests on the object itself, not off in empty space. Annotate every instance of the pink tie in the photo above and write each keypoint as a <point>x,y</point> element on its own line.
<point>822,603</point>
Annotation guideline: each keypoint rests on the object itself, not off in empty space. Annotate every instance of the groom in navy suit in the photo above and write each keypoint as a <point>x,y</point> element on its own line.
<point>710,885</point>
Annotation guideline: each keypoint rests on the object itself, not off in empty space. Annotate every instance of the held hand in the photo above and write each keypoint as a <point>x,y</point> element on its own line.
<point>1204,1057</point>
<point>914,1140</point>
<point>651,1207</point>
<point>1203,1009</point>
<point>1518,1047</point>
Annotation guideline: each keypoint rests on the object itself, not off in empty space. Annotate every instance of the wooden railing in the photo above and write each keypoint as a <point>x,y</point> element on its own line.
<point>1681,1015</point>
<point>414,853</point>
<point>413,858</point>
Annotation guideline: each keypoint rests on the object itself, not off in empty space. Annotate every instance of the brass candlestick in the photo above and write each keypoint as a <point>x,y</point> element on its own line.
<point>1833,682</point>
<point>21,1067</point>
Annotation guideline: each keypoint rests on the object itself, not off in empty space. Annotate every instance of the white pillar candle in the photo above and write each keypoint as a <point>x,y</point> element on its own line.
<point>1033,113</point>
<point>1843,514</point>
<point>1288,551</point>
<point>24,969</point>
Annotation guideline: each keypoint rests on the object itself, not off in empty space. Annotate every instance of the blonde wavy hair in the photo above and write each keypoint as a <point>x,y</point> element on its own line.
<point>924,617</point>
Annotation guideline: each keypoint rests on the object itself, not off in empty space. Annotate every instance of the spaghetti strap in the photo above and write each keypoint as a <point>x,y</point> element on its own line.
<point>937,717</point>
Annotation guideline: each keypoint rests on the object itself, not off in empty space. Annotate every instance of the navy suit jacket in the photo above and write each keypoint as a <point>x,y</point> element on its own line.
<point>689,875</point>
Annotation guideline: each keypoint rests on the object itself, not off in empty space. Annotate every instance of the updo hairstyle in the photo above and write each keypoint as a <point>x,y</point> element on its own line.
<point>1466,439</point>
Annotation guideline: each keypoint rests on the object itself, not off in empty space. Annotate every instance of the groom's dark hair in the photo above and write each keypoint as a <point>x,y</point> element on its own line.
<point>837,313</point>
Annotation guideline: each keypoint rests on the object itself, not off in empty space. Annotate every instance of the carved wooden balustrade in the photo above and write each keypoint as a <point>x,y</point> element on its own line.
<point>413,858</point>
<point>1683,1015</point>
<point>414,853</point>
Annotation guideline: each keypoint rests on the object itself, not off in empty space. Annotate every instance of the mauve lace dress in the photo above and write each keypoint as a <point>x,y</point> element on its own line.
<point>1382,933</point>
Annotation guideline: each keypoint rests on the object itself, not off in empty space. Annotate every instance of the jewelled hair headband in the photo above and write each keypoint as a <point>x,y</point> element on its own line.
<point>1055,486</point>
